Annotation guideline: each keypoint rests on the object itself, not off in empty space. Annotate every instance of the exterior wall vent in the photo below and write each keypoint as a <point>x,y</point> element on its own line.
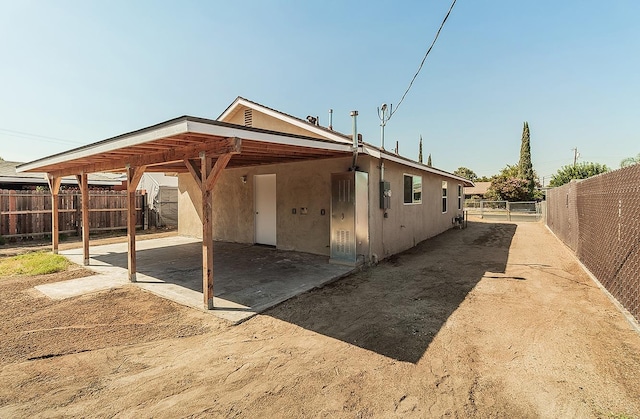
<point>248,117</point>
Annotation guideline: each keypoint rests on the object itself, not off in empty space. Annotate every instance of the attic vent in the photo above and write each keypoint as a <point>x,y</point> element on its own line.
<point>248,117</point>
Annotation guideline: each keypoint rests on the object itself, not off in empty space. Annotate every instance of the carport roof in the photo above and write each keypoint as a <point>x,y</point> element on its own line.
<point>165,146</point>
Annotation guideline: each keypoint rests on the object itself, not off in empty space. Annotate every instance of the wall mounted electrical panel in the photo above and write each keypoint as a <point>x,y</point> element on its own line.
<point>385,195</point>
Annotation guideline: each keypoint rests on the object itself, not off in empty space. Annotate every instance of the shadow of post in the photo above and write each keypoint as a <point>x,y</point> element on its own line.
<point>397,308</point>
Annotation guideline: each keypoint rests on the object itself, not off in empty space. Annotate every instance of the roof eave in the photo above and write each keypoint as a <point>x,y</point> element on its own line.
<point>172,127</point>
<point>65,181</point>
<point>182,125</point>
<point>383,154</point>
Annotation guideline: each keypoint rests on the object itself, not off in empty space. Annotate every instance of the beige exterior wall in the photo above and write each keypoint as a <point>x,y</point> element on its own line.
<point>408,224</point>
<point>308,185</point>
<point>264,121</point>
<point>298,185</point>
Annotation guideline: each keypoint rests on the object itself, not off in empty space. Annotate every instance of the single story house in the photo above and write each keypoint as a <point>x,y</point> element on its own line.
<point>477,191</point>
<point>12,180</point>
<point>257,175</point>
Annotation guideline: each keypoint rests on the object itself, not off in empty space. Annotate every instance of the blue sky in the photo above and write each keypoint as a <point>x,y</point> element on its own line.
<point>76,72</point>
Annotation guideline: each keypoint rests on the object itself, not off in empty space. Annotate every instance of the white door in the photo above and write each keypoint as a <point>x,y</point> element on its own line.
<point>265,201</point>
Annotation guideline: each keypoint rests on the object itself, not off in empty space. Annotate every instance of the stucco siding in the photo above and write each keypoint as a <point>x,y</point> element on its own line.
<point>264,121</point>
<point>308,185</point>
<point>408,224</point>
<point>298,185</point>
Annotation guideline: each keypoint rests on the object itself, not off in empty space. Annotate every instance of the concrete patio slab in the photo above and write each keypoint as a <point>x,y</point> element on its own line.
<point>80,286</point>
<point>248,279</point>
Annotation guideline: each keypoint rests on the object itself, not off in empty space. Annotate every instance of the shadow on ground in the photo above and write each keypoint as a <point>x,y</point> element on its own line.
<point>256,277</point>
<point>396,308</point>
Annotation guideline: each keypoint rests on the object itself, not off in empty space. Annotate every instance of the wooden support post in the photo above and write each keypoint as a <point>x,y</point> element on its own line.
<point>208,177</point>
<point>134,174</point>
<point>54,186</point>
<point>207,234</point>
<point>84,190</point>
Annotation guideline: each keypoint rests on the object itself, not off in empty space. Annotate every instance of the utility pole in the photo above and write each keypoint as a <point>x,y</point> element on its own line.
<point>575,156</point>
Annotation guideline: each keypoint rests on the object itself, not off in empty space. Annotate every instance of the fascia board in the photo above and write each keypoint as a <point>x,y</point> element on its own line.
<point>377,153</point>
<point>65,181</point>
<point>180,127</point>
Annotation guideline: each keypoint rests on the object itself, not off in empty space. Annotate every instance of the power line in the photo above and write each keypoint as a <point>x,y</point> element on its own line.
<point>31,136</point>
<point>424,58</point>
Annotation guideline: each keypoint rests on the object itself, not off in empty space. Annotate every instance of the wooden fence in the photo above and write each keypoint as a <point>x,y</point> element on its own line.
<point>28,213</point>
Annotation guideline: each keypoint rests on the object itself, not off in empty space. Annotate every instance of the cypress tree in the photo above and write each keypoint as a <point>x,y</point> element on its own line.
<point>429,160</point>
<point>420,151</point>
<point>525,168</point>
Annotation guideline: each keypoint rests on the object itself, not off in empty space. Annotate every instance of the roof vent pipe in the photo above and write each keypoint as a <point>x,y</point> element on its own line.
<point>354,115</point>
<point>331,119</point>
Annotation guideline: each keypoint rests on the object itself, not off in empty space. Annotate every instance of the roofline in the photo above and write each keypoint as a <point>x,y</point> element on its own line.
<point>191,124</point>
<point>65,181</point>
<point>183,125</point>
<point>170,127</point>
<point>376,152</point>
<point>300,123</point>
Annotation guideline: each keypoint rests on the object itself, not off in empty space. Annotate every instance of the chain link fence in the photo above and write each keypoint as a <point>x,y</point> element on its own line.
<point>599,219</point>
<point>504,210</point>
<point>166,207</point>
<point>562,214</point>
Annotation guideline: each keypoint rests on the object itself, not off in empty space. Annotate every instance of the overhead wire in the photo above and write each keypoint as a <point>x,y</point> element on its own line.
<point>453,3</point>
<point>37,137</point>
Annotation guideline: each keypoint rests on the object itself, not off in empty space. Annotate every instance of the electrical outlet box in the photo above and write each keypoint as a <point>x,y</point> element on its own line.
<point>385,195</point>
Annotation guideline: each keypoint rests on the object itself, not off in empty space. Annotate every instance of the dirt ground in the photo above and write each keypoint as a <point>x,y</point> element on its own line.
<point>497,320</point>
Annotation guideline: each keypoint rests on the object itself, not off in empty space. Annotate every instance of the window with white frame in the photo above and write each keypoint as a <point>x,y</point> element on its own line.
<point>412,189</point>
<point>459,197</point>
<point>444,196</point>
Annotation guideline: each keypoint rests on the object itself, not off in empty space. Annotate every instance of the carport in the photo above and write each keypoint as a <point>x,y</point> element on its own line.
<point>201,147</point>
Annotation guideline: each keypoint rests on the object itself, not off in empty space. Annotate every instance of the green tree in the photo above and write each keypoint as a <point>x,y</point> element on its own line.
<point>420,150</point>
<point>508,189</point>
<point>525,168</point>
<point>580,171</point>
<point>484,179</point>
<point>630,161</point>
<point>508,186</point>
<point>429,160</point>
<point>466,173</point>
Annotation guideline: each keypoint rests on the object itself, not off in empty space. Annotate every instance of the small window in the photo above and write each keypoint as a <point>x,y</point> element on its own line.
<point>459,197</point>
<point>444,196</point>
<point>412,189</point>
